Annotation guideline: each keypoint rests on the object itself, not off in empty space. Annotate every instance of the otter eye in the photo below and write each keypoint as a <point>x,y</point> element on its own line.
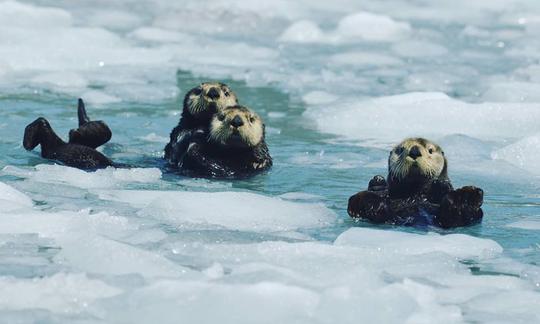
<point>430,151</point>
<point>251,119</point>
<point>197,91</point>
<point>221,117</point>
<point>399,150</point>
<point>226,93</point>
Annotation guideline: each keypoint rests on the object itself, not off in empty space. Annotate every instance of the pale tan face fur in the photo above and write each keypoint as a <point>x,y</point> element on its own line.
<point>430,163</point>
<point>224,128</point>
<point>199,99</point>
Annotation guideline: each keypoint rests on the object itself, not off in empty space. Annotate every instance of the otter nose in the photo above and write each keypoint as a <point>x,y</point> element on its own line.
<point>213,93</point>
<point>414,152</point>
<point>237,121</point>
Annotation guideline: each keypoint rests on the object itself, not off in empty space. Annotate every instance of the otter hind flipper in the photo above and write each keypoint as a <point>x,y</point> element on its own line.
<point>81,112</point>
<point>90,133</point>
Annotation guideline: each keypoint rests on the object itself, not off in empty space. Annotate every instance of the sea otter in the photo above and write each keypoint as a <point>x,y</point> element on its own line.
<point>233,147</point>
<point>91,133</point>
<point>39,132</point>
<point>200,105</point>
<point>417,191</point>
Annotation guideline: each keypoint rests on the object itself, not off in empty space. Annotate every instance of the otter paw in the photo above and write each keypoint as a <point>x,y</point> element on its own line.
<point>472,196</point>
<point>437,189</point>
<point>461,208</point>
<point>378,183</point>
<point>368,205</point>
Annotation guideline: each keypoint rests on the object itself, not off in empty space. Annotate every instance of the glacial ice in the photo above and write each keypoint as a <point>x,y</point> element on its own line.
<point>232,210</point>
<point>130,245</point>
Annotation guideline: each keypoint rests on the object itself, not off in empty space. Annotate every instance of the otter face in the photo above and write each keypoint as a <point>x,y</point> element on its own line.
<point>237,127</point>
<point>416,157</point>
<point>209,97</point>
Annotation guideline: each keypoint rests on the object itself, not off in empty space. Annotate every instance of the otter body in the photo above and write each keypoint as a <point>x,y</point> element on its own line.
<point>417,191</point>
<point>200,105</point>
<point>233,147</point>
<point>53,147</point>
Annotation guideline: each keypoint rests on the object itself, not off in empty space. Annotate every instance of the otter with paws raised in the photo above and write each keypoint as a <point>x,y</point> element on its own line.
<point>417,191</point>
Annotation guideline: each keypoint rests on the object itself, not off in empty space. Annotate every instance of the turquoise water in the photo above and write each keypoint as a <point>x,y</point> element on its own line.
<point>305,161</point>
<point>337,84</point>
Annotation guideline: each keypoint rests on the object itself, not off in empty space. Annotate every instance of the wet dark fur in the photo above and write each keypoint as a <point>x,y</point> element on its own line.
<point>90,133</point>
<point>418,200</point>
<point>181,135</point>
<point>204,157</point>
<point>53,147</point>
<point>208,159</point>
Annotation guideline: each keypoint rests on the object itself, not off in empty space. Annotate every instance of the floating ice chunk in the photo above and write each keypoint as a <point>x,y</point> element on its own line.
<point>371,27</point>
<point>361,26</point>
<point>105,178</point>
<point>526,224</point>
<point>96,254</point>
<point>16,14</point>
<point>92,243</point>
<point>97,97</point>
<point>364,59</point>
<point>154,138</point>
<point>61,80</point>
<point>215,271</point>
<point>457,245</point>
<point>523,154</point>
<point>319,98</point>
<point>518,305</point>
<point>230,303</point>
<point>61,293</point>
<point>232,210</point>
<point>429,114</point>
<point>513,92</point>
<point>12,199</point>
<point>414,48</point>
<point>303,31</point>
<point>161,35</point>
<point>114,19</point>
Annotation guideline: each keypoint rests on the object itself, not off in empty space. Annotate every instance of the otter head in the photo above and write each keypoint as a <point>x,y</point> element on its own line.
<point>208,98</point>
<point>33,133</point>
<point>237,127</point>
<point>416,161</point>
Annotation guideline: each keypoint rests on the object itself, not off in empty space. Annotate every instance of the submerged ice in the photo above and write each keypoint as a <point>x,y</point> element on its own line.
<point>337,83</point>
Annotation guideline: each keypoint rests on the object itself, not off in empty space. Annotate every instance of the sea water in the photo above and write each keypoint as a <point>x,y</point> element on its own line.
<point>337,84</point>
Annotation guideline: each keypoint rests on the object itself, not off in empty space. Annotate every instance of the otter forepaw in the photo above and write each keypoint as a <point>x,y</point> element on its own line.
<point>472,196</point>
<point>378,183</point>
<point>438,189</point>
<point>461,207</point>
<point>368,205</point>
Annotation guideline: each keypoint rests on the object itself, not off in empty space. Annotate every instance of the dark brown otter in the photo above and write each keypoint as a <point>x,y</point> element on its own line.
<point>233,147</point>
<point>417,191</point>
<point>200,105</point>
<point>39,132</point>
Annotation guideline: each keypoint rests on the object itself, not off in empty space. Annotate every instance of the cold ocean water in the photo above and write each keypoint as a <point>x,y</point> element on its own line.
<point>337,83</point>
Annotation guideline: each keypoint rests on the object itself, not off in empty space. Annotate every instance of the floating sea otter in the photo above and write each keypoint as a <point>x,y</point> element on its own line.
<point>234,146</point>
<point>417,191</point>
<point>200,105</point>
<point>80,151</point>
